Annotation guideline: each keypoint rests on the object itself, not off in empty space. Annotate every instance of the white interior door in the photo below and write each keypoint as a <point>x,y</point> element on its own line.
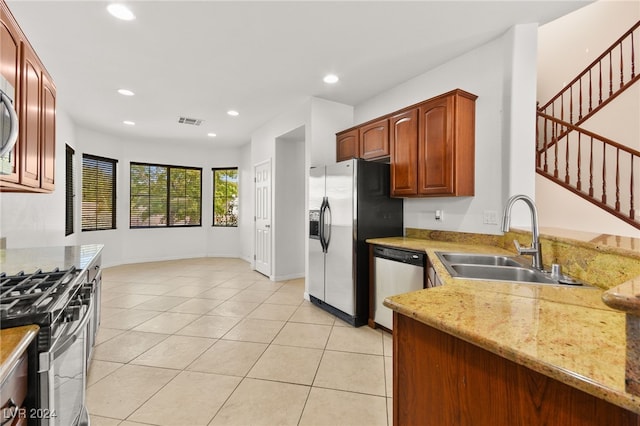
<point>263,218</point>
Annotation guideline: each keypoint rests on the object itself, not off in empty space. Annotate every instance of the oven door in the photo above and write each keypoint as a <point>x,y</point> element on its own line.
<point>62,372</point>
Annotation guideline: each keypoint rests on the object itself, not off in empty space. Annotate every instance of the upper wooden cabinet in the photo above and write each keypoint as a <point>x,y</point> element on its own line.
<point>347,145</point>
<point>404,153</point>
<point>10,68</point>
<point>430,145</point>
<point>33,158</point>
<point>374,140</point>
<point>443,150</point>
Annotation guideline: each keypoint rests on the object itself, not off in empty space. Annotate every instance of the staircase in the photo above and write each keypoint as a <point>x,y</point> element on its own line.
<point>603,171</point>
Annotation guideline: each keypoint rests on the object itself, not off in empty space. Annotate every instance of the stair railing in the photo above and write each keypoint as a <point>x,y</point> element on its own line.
<point>598,169</point>
<point>600,82</point>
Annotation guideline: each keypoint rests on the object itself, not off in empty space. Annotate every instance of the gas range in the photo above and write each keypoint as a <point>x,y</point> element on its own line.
<point>64,302</point>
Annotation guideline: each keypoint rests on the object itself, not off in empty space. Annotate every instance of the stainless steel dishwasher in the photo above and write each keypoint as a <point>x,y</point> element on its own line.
<point>396,271</point>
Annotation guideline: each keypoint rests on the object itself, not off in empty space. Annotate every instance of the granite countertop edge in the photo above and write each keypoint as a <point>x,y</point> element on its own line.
<point>15,342</point>
<point>584,302</point>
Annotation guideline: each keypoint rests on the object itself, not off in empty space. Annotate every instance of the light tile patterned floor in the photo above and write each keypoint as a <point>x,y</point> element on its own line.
<point>210,342</point>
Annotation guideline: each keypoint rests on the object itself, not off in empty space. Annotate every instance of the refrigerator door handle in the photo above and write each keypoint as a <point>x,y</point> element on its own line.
<point>323,207</point>
<point>327,235</point>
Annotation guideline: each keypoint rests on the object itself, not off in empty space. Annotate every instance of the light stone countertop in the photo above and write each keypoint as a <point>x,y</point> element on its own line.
<point>564,332</point>
<point>28,260</point>
<point>13,343</point>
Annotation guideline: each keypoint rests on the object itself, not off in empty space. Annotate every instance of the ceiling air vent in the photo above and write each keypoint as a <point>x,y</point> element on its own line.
<point>191,121</point>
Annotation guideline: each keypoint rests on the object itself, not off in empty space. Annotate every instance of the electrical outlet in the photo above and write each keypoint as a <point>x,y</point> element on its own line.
<point>490,217</point>
<point>438,215</point>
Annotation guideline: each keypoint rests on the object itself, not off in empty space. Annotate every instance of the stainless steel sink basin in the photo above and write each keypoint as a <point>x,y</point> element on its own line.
<point>479,259</point>
<point>501,273</point>
<point>497,267</point>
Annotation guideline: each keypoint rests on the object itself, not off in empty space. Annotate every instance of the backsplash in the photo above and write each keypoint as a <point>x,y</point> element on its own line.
<point>588,260</point>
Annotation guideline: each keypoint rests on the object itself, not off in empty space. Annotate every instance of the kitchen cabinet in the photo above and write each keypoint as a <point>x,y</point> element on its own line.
<point>374,140</point>
<point>347,145</point>
<point>430,145</point>
<point>16,349</point>
<point>439,379</point>
<point>33,158</point>
<point>10,67</point>
<point>443,150</point>
<point>404,153</point>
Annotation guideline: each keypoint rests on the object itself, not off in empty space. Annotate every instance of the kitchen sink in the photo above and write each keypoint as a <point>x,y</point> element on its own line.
<point>497,267</point>
<point>479,259</point>
<point>501,273</point>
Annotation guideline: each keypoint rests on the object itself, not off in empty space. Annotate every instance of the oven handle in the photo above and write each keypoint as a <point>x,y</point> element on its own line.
<point>58,349</point>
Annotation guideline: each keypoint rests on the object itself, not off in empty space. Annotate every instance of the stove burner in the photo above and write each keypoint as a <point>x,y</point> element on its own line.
<point>24,295</point>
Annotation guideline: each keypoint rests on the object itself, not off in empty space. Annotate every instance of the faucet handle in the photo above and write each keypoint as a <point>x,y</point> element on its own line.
<point>523,250</point>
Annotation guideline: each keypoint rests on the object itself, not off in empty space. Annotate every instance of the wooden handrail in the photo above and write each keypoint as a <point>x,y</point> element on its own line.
<point>611,165</point>
<point>598,61</point>
<point>590,134</point>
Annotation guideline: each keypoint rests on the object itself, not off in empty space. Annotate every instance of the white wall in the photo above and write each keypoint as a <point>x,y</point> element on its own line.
<point>245,208</point>
<point>502,74</point>
<point>124,245</point>
<point>37,220</point>
<point>321,120</point>
<point>290,201</point>
<point>566,47</point>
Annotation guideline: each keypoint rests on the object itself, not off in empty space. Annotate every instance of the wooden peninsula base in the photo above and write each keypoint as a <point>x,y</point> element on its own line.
<point>441,380</point>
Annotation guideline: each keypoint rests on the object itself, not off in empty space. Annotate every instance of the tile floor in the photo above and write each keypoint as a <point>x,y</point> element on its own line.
<point>210,342</point>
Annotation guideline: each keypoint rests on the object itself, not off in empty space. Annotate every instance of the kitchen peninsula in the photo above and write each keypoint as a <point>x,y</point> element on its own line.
<point>491,352</point>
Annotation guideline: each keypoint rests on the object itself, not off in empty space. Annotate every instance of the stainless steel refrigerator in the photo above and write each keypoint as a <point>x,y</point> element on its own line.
<point>348,203</point>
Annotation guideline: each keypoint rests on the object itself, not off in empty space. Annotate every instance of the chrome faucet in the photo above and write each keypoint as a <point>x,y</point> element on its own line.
<point>535,249</point>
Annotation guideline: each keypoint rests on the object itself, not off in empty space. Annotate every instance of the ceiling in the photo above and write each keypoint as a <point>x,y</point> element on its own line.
<point>198,59</point>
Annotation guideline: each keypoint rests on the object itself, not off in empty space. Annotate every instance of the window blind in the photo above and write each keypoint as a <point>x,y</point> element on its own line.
<point>69,193</point>
<point>98,193</point>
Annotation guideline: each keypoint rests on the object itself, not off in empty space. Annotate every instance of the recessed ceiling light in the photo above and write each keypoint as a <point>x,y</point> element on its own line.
<point>129,123</point>
<point>121,11</point>
<point>211,135</point>
<point>233,113</point>
<point>330,78</point>
<point>126,92</point>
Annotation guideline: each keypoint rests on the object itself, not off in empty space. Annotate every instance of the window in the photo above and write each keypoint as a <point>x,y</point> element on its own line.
<point>68,191</point>
<point>98,193</point>
<point>225,197</point>
<point>164,196</point>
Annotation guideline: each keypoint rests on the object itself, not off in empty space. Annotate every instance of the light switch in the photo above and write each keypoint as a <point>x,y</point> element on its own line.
<point>490,217</point>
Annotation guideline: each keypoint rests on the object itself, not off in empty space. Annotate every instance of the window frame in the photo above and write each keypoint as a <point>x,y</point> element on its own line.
<point>69,191</point>
<point>114,164</point>
<point>213,201</point>
<point>167,196</point>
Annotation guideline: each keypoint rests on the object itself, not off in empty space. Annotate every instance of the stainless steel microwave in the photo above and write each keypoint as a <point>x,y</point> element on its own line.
<point>8,125</point>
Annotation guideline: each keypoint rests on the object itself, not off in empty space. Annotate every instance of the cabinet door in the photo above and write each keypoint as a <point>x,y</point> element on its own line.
<point>48,129</point>
<point>347,145</point>
<point>10,67</point>
<point>374,140</point>
<point>403,132</point>
<point>30,124</point>
<point>435,148</point>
